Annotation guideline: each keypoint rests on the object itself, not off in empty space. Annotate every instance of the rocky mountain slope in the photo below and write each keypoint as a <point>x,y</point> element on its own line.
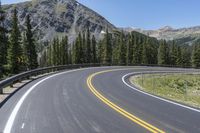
<point>183,35</point>
<point>51,18</point>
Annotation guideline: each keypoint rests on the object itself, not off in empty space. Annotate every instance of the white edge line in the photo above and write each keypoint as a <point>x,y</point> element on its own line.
<point>162,99</point>
<point>11,119</point>
<point>13,114</point>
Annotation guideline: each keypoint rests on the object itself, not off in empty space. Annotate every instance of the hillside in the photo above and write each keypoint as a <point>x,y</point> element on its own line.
<point>51,18</point>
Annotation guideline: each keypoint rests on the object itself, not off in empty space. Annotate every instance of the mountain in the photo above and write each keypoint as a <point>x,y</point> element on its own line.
<point>182,35</point>
<point>51,18</point>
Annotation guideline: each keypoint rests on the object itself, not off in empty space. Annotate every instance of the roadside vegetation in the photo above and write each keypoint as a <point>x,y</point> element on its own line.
<point>183,88</point>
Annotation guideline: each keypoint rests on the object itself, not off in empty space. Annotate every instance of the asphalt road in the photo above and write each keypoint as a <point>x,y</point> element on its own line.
<point>65,103</point>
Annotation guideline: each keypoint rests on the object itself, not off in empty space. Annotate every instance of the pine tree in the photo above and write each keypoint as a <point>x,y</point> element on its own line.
<point>88,50</point>
<point>136,49</point>
<point>54,52</point>
<point>144,54</point>
<point>149,51</point>
<point>24,51</point>
<point>133,40</point>
<point>64,51</point>
<point>179,61</point>
<point>100,52</point>
<point>94,51</point>
<point>186,57</point>
<point>84,47</point>
<point>76,51</point>
<point>196,56</point>
<point>152,50</point>
<point>163,53</point>
<point>173,54</point>
<point>139,49</point>
<point>3,42</point>
<point>15,49</point>
<point>115,47</point>
<point>49,55</point>
<point>30,46</point>
<point>129,52</point>
<point>58,52</point>
<point>81,49</point>
<point>122,49</point>
<point>107,53</point>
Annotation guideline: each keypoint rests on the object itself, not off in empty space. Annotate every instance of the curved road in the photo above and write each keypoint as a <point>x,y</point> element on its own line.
<point>86,101</point>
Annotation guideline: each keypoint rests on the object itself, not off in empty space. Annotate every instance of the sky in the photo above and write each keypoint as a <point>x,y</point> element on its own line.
<point>145,14</point>
<point>11,1</point>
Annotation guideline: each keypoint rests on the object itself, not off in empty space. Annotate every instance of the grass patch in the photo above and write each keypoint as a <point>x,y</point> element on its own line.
<point>184,88</point>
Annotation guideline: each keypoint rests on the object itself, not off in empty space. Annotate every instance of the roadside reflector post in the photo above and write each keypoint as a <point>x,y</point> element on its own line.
<point>142,79</point>
<point>153,78</point>
<point>185,90</point>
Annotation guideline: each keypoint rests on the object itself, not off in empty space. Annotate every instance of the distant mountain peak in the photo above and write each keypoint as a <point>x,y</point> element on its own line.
<point>52,0</point>
<point>166,28</point>
<point>189,34</point>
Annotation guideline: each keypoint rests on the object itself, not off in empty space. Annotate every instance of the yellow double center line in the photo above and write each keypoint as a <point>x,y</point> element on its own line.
<point>123,112</point>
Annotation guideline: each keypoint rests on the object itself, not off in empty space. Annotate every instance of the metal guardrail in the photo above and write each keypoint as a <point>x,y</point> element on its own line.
<point>19,77</point>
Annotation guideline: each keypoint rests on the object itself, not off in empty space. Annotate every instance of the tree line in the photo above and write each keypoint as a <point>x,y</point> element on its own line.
<point>60,52</point>
<point>120,48</point>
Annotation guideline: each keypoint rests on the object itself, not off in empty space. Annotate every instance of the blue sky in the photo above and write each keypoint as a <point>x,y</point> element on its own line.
<point>11,1</point>
<point>147,14</point>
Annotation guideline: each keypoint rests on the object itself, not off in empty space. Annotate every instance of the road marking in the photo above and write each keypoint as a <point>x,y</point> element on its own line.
<point>23,125</point>
<point>162,99</point>
<point>13,115</point>
<point>123,112</point>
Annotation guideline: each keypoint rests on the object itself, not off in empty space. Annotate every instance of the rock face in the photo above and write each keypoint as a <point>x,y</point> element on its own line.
<point>51,18</point>
<point>185,35</point>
